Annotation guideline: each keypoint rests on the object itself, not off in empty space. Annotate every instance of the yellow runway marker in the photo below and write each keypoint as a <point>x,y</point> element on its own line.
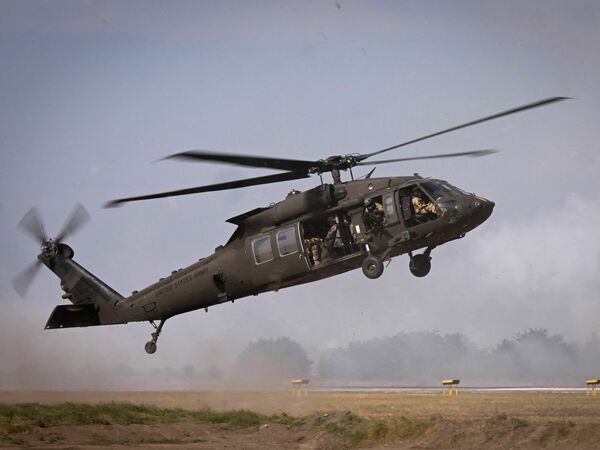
<point>591,387</point>
<point>300,387</point>
<point>452,387</point>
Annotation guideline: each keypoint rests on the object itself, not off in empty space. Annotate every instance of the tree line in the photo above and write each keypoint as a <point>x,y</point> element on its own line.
<point>422,358</point>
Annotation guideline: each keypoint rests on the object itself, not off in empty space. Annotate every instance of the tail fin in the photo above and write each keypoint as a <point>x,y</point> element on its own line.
<point>68,316</point>
<point>94,301</point>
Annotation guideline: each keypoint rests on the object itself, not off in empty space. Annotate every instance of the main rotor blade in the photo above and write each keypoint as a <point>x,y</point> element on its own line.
<point>32,224</point>
<point>293,165</point>
<point>537,104</point>
<point>79,216</point>
<point>472,154</point>
<point>285,176</point>
<point>22,282</point>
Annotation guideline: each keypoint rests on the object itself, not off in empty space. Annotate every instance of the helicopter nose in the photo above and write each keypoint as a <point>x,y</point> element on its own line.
<point>482,208</point>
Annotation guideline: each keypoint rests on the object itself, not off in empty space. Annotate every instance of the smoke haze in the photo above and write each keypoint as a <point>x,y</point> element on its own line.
<point>93,92</point>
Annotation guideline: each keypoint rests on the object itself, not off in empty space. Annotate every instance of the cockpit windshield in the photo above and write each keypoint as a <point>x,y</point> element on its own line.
<point>444,195</point>
<point>436,190</point>
<point>439,189</point>
<point>456,189</point>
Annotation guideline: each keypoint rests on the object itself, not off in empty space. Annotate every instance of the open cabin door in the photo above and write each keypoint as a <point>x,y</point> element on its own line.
<point>328,240</point>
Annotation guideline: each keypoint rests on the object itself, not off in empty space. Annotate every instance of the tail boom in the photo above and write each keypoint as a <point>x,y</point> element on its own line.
<point>94,302</point>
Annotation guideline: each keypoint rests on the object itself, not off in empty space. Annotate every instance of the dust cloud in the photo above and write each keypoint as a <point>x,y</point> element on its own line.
<point>88,105</point>
<point>524,277</point>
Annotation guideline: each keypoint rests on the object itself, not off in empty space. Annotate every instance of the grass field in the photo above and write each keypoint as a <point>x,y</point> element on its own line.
<point>260,419</point>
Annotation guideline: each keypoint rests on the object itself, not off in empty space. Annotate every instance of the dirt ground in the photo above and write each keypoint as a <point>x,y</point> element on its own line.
<point>471,421</point>
<point>182,435</point>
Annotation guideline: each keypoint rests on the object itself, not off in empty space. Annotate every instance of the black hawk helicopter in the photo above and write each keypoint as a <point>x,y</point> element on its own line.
<point>308,236</point>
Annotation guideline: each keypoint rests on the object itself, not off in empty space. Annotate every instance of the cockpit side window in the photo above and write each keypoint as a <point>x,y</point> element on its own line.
<point>389,207</point>
<point>417,205</point>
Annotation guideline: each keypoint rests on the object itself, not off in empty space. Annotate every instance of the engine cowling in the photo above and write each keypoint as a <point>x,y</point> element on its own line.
<point>297,204</point>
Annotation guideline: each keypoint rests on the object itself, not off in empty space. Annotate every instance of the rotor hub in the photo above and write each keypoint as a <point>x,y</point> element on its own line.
<point>49,248</point>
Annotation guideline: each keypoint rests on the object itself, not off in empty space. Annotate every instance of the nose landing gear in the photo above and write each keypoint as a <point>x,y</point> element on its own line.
<point>372,267</point>
<point>420,265</point>
<point>150,346</point>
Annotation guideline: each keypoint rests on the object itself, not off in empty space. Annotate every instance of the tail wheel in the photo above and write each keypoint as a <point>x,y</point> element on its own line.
<point>372,267</point>
<point>150,346</point>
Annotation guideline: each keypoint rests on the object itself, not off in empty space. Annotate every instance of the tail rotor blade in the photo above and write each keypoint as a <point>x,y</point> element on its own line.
<point>22,282</point>
<point>32,224</point>
<point>79,216</point>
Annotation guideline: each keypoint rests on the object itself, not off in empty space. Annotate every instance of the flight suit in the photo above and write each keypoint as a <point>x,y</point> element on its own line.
<point>421,208</point>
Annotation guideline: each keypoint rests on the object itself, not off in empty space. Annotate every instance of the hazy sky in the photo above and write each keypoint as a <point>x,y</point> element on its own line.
<point>92,93</point>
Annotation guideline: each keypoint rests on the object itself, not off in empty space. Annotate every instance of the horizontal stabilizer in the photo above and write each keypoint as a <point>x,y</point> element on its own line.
<point>69,316</point>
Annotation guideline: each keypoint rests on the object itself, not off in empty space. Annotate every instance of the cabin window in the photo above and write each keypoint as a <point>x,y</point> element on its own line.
<point>390,208</point>
<point>262,249</point>
<point>286,241</point>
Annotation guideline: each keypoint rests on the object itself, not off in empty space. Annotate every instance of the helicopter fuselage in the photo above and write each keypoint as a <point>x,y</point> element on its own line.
<point>271,249</point>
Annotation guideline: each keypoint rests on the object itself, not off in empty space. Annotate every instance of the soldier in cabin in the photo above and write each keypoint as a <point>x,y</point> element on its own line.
<point>373,216</point>
<point>315,249</point>
<point>332,238</point>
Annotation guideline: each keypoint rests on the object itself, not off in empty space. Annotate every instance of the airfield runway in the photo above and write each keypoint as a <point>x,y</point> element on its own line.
<point>367,401</point>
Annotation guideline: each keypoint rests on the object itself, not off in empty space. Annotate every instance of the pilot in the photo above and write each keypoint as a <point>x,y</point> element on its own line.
<point>423,209</point>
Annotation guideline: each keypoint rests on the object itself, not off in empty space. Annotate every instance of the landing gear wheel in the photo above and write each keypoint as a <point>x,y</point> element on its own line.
<point>151,344</point>
<point>420,265</point>
<point>372,267</point>
<point>150,347</point>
